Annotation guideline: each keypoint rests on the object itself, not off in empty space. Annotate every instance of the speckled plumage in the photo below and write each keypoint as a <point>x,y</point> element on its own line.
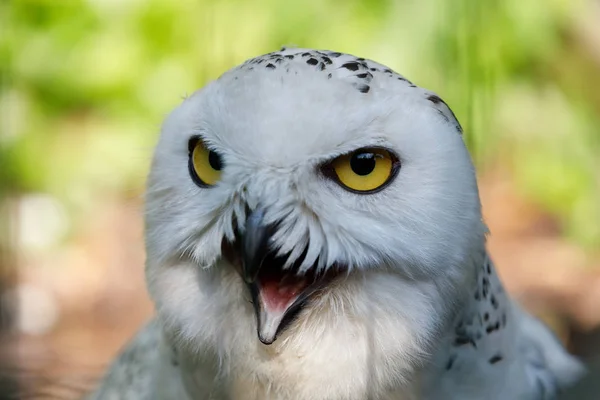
<point>357,71</point>
<point>420,313</point>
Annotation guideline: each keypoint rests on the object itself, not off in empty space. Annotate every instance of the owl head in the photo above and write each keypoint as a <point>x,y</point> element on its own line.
<point>300,187</point>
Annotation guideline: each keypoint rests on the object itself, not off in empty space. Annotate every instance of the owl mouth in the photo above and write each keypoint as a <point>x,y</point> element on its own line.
<point>278,293</point>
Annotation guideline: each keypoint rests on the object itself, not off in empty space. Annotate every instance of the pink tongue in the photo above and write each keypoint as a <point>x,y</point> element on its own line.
<point>278,295</point>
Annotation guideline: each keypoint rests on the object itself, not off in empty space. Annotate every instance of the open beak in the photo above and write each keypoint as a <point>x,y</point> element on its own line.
<point>278,295</point>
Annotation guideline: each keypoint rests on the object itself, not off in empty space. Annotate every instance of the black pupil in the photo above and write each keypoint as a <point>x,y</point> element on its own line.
<point>215,161</point>
<point>363,163</point>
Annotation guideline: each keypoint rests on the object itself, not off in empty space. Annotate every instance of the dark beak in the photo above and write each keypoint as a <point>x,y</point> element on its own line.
<point>259,264</point>
<point>254,244</point>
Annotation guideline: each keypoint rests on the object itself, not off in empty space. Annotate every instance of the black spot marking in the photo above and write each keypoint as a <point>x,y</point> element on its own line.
<point>450,362</point>
<point>486,317</point>
<point>373,69</point>
<point>388,71</point>
<point>312,61</point>
<point>443,115</point>
<point>321,66</point>
<point>364,75</point>
<point>492,328</point>
<point>289,56</point>
<point>327,60</point>
<point>328,76</point>
<point>435,99</point>
<point>485,286</point>
<point>352,66</point>
<point>495,359</point>
<point>364,88</point>
<point>335,54</point>
<point>174,360</point>
<point>463,340</point>
<point>494,302</point>
<point>270,66</point>
<point>306,54</point>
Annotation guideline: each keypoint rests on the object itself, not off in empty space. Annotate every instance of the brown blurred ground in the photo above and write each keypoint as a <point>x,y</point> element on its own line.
<point>100,293</point>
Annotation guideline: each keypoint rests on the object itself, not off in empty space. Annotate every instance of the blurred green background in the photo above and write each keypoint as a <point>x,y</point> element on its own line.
<point>86,84</point>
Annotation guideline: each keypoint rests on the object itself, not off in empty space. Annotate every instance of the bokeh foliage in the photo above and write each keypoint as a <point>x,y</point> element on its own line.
<point>86,83</point>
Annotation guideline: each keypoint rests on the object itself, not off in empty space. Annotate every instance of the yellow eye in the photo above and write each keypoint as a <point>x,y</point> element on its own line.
<point>365,170</point>
<point>205,165</point>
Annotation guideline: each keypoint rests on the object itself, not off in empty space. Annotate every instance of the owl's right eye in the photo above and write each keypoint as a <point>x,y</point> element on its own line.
<point>204,164</point>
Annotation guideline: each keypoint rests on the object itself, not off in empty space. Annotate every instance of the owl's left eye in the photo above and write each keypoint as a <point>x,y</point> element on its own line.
<point>365,170</point>
<point>205,165</point>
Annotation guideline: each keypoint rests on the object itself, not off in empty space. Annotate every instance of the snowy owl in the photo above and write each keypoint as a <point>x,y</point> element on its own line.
<point>314,231</point>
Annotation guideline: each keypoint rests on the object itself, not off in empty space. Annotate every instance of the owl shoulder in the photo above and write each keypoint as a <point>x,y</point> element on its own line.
<point>131,375</point>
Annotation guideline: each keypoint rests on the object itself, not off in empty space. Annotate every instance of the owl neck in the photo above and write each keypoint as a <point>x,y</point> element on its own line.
<point>481,336</point>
